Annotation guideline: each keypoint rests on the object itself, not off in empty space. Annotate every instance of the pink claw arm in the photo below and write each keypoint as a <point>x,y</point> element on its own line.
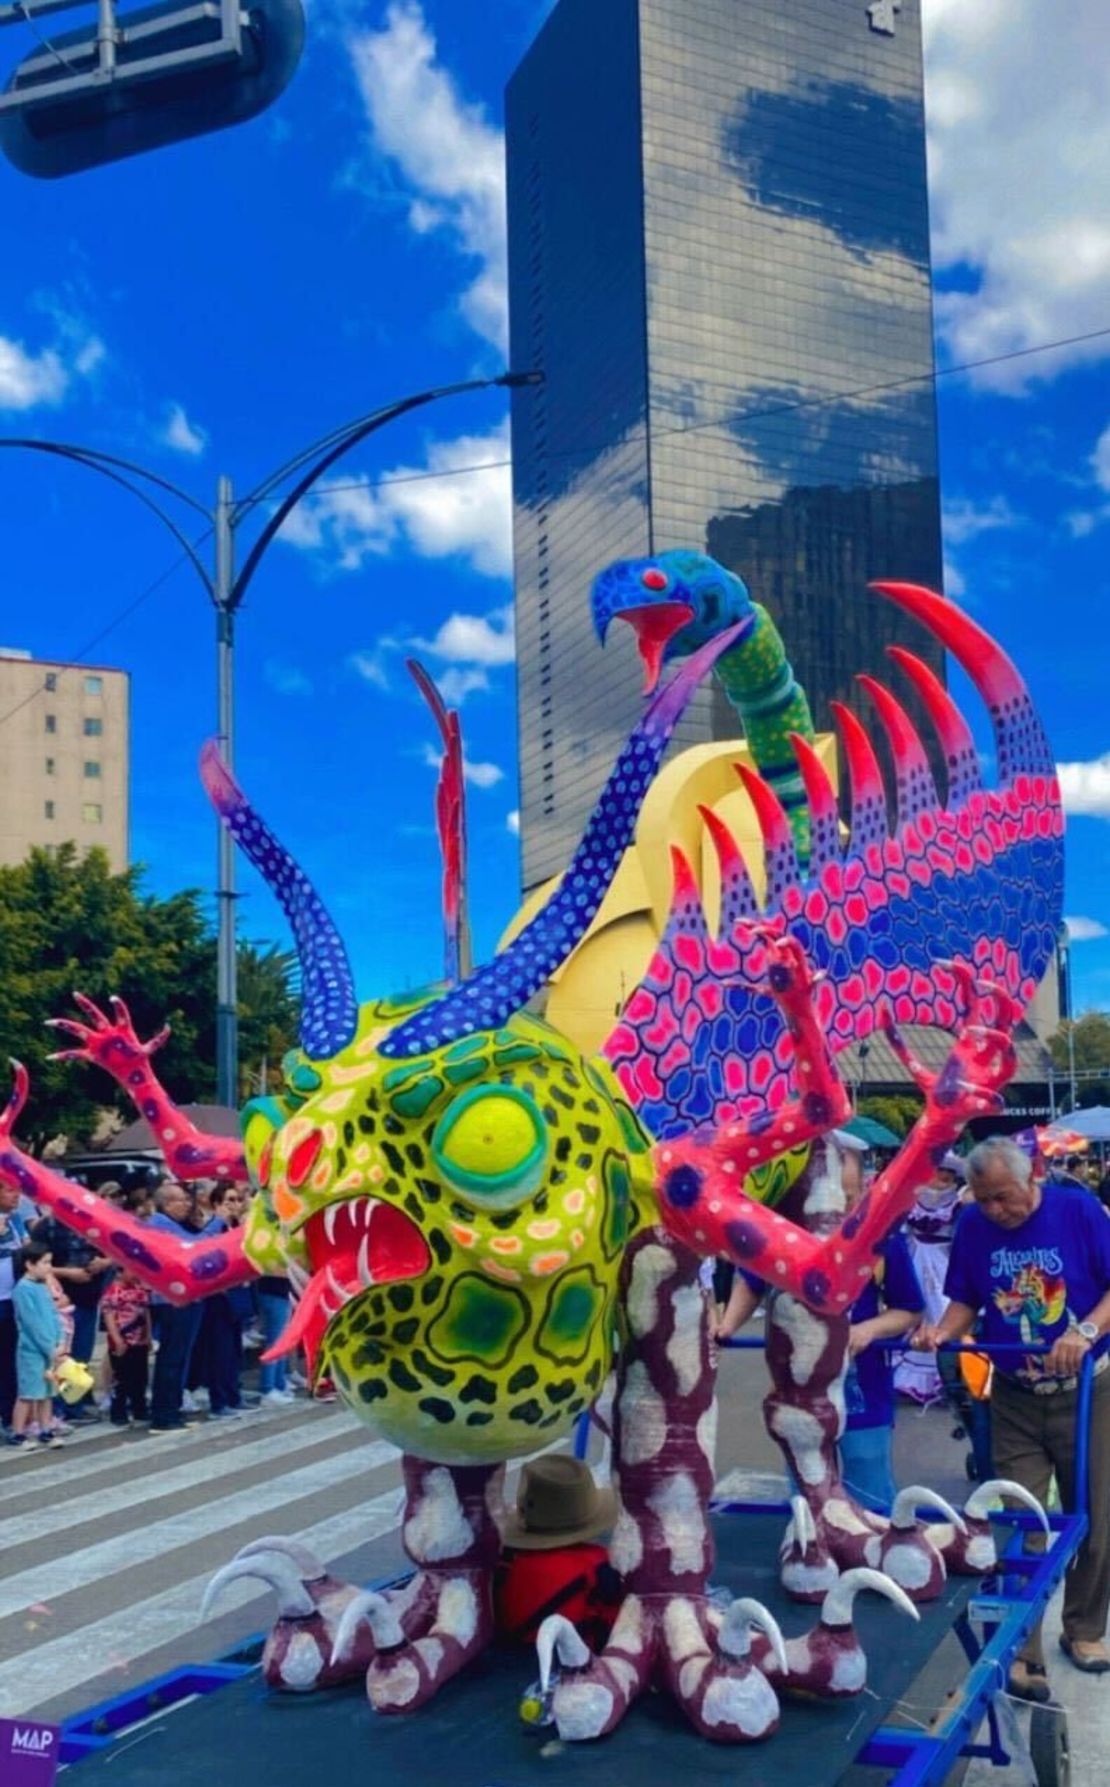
<point>114,1046</point>
<point>180,1271</point>
<point>705,1205</point>
<point>821,1104</point>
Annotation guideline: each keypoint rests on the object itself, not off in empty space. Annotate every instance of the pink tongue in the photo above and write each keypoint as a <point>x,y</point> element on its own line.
<point>654,626</point>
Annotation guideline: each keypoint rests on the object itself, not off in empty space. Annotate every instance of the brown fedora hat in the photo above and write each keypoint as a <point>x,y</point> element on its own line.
<point>557,1503</point>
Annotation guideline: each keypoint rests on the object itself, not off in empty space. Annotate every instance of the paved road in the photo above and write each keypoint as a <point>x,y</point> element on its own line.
<point>107,1546</point>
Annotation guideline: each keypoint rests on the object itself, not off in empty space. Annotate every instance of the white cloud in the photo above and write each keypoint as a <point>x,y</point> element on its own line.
<point>474,638</point>
<point>1085,930</point>
<point>447,153</point>
<point>372,665</point>
<point>286,679</point>
<point>512,822</point>
<point>442,509</point>
<point>964,519</point>
<point>480,775</point>
<point>1085,787</point>
<point>181,434</point>
<point>27,379</point>
<point>955,584</point>
<point>1019,162</point>
<point>458,681</point>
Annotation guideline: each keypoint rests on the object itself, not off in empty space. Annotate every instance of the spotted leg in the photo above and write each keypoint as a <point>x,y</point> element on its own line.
<point>664,1431</point>
<point>425,1632</point>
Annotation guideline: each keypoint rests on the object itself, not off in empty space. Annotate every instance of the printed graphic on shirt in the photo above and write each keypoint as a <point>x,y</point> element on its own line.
<point>1035,1299</point>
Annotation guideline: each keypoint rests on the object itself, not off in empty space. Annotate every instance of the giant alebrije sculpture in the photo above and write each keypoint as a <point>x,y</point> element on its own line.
<point>480,1223</point>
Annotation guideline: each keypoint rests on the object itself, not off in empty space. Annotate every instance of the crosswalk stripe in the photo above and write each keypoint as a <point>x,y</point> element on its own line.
<point>122,1638</point>
<point>79,1467</point>
<point>144,1491</point>
<point>77,1569</point>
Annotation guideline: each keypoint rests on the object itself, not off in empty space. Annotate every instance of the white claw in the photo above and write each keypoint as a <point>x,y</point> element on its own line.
<point>330,1215</point>
<point>303,1557</point>
<point>294,1600</point>
<point>379,1616</point>
<point>365,1274</point>
<point>978,1504</point>
<point>558,1637</point>
<point>805,1530</point>
<point>734,1637</point>
<point>903,1517</point>
<point>836,1608</point>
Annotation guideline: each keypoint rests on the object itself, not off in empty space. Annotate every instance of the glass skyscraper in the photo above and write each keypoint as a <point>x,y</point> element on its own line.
<point>719,256</point>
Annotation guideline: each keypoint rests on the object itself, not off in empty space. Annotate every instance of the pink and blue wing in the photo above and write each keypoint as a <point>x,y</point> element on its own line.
<point>960,756</point>
<point>979,881</point>
<point>916,789</point>
<point>824,822</point>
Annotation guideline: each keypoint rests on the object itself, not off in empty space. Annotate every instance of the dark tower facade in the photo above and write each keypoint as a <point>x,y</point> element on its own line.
<point>719,256</point>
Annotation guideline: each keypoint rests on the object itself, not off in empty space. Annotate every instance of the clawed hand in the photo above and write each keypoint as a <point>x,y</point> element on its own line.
<point>110,1043</point>
<point>982,1059</point>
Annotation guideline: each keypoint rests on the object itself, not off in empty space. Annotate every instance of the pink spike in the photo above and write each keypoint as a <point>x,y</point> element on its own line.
<point>780,860</point>
<point>773,822</point>
<point>994,674</point>
<point>952,729</point>
<point>685,886</point>
<point>869,823</point>
<point>819,790</point>
<point>824,826</point>
<point>737,893</point>
<point>916,790</point>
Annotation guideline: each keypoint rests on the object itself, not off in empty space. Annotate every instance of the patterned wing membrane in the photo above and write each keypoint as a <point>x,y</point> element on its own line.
<point>978,879</point>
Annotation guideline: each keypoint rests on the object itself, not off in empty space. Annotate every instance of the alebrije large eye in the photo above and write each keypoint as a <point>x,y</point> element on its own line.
<point>491,1145</point>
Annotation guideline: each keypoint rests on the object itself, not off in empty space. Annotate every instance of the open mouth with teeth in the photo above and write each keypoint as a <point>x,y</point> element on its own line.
<point>352,1245</point>
<point>655,625</point>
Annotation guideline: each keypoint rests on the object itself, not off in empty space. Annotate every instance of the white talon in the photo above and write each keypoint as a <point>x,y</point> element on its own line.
<point>734,1637</point>
<point>903,1517</point>
<point>294,1600</point>
<point>558,1637</point>
<point>836,1608</point>
<point>303,1557</point>
<point>802,1528</point>
<point>379,1616</point>
<point>978,1504</point>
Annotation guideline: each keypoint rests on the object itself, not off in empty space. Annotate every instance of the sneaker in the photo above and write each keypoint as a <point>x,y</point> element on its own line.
<point>50,1440</point>
<point>189,1402</point>
<point>18,1440</point>
<point>276,1399</point>
<point>225,1414</point>
<point>296,1381</point>
<point>254,1338</point>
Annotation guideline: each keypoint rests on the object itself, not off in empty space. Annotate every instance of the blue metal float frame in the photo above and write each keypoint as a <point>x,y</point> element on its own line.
<point>1019,1592</point>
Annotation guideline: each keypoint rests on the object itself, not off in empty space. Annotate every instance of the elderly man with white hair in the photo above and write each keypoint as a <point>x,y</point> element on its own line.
<point>1033,1261</point>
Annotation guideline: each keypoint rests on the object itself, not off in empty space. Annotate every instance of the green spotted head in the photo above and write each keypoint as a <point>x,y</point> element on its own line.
<point>456,1222</point>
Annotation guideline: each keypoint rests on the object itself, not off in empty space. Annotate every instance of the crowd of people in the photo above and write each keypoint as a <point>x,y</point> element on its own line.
<point>150,1362</point>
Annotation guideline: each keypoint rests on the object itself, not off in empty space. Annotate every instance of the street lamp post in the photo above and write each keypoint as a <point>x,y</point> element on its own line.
<point>226,588</point>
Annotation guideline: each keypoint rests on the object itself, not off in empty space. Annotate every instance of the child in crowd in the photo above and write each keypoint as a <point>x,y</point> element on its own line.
<point>126,1311</point>
<point>39,1346</point>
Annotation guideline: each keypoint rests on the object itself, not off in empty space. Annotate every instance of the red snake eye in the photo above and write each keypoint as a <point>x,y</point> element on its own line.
<point>654,580</point>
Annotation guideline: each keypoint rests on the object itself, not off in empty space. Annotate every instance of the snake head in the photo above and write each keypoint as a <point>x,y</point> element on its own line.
<point>673,601</point>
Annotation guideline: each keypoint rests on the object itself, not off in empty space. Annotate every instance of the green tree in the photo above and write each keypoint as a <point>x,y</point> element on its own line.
<point>899,1111</point>
<point>67,922</point>
<point>1088,1037</point>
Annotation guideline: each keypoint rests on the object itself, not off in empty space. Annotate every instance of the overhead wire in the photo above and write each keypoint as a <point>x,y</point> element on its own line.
<point>730,418</point>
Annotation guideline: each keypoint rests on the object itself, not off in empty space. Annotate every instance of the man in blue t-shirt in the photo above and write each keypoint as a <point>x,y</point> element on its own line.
<point>1033,1261</point>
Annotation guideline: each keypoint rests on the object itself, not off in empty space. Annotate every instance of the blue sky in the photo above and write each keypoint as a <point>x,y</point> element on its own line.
<point>215,306</point>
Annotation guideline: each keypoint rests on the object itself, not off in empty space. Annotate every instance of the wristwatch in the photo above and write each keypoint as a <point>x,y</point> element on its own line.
<point>1088,1330</point>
